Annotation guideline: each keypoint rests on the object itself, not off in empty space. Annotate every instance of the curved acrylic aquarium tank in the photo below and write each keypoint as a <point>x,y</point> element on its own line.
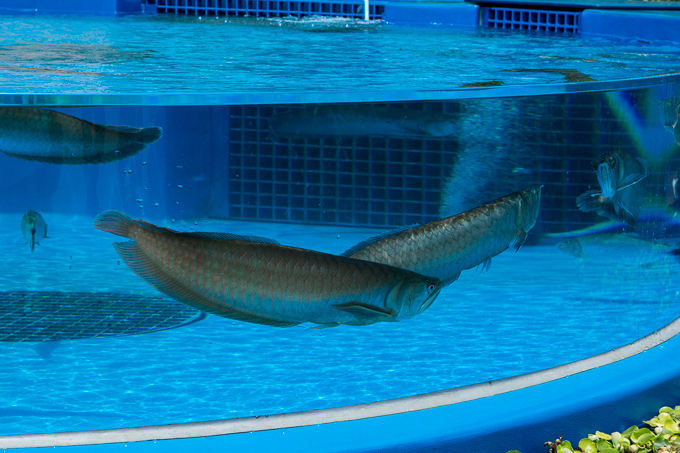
<point>95,355</point>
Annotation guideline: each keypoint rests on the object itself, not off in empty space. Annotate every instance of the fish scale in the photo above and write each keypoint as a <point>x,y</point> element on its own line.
<point>257,280</point>
<point>446,247</point>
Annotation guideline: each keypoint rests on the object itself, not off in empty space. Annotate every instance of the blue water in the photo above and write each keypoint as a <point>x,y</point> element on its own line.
<point>217,168</point>
<point>169,54</point>
<point>533,309</point>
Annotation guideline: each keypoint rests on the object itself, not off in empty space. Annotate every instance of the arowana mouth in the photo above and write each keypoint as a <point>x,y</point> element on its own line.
<point>429,300</point>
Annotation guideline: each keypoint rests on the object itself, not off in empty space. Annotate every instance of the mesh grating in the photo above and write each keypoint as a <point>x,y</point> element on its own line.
<point>531,19</point>
<point>391,182</point>
<point>270,8</point>
<point>51,316</point>
<point>362,181</point>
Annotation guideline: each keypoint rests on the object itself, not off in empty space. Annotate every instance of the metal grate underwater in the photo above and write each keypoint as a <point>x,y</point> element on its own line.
<point>531,19</point>
<point>362,181</point>
<point>27,316</point>
<point>271,8</point>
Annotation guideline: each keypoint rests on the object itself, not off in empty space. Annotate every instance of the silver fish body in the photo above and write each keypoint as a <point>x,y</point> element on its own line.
<point>33,228</point>
<point>43,135</point>
<point>620,176</point>
<point>334,121</point>
<point>257,280</point>
<point>446,247</point>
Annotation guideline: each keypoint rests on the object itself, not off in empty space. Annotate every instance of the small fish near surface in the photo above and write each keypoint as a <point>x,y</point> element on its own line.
<point>33,228</point>
<point>337,121</point>
<point>446,247</point>
<point>620,176</point>
<point>257,280</point>
<point>48,136</point>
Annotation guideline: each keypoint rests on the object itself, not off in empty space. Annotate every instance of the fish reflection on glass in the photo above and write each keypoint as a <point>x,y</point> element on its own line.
<point>622,192</point>
<point>624,248</point>
<point>673,190</point>
<point>33,228</point>
<point>446,247</point>
<point>52,137</point>
<point>336,121</point>
<point>257,280</point>
<point>670,109</point>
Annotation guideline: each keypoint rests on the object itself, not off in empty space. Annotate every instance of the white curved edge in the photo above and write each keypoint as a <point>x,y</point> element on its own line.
<point>340,414</point>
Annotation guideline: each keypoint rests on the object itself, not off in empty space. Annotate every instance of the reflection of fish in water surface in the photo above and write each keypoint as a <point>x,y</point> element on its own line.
<point>618,247</point>
<point>333,121</point>
<point>619,175</point>
<point>42,135</point>
<point>33,228</point>
<point>257,280</point>
<point>446,247</point>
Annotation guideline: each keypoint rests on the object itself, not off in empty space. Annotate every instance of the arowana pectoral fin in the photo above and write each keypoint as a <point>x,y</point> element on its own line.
<point>364,312</point>
<point>631,179</point>
<point>518,241</point>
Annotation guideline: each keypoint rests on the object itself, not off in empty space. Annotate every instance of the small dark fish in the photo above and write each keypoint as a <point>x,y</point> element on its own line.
<point>257,280</point>
<point>621,194</point>
<point>444,248</point>
<point>42,135</point>
<point>34,228</point>
<point>335,121</point>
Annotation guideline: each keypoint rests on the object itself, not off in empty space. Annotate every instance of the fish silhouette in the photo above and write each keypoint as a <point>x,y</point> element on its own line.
<point>335,121</point>
<point>621,194</point>
<point>259,281</point>
<point>446,247</point>
<point>611,247</point>
<point>34,228</point>
<point>43,135</point>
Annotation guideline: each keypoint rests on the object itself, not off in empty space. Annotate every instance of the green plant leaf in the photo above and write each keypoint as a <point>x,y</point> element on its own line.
<point>616,439</point>
<point>630,431</point>
<point>635,436</point>
<point>602,435</point>
<point>645,439</point>
<point>587,445</point>
<point>660,442</point>
<point>672,426</point>
<point>567,444</point>
<point>605,447</point>
<point>666,409</point>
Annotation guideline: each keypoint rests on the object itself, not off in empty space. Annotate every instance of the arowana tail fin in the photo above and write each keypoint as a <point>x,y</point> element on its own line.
<point>114,222</point>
